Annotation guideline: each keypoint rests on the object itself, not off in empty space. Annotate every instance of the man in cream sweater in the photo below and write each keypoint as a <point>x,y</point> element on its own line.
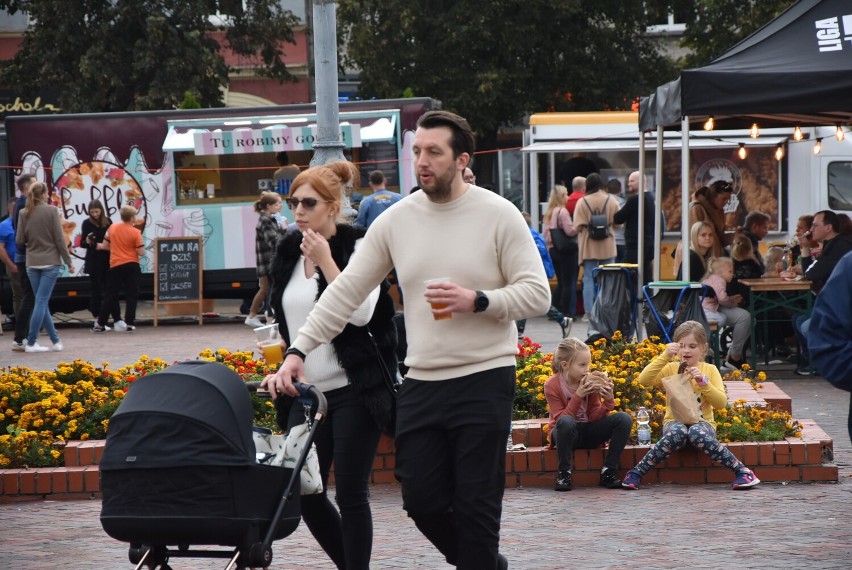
<point>455,406</point>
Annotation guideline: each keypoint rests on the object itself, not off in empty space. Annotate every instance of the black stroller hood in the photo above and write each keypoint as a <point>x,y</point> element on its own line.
<point>192,413</point>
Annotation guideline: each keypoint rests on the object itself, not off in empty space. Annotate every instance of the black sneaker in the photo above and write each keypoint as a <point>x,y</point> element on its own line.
<point>609,479</point>
<point>130,328</point>
<point>563,481</point>
<point>98,329</point>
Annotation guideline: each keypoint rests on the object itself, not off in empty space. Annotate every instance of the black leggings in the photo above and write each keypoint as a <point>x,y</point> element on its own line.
<point>348,437</point>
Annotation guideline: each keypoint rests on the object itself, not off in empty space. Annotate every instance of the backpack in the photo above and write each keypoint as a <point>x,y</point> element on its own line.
<point>598,223</point>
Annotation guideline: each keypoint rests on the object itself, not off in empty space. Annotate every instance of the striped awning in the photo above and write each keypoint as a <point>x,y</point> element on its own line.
<point>268,139</point>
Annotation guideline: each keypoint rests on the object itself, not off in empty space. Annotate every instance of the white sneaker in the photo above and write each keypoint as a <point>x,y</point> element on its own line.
<point>253,322</point>
<point>119,326</point>
<point>57,347</point>
<point>17,346</point>
<point>35,348</point>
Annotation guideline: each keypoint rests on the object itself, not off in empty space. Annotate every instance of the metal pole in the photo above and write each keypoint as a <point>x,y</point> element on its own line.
<point>328,146</point>
<point>684,196</point>
<point>640,220</point>
<point>658,203</point>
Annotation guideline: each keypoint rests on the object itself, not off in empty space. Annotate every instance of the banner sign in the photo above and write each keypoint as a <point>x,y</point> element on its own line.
<point>273,139</point>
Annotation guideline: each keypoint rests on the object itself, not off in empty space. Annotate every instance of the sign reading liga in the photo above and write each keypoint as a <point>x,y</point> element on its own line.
<point>271,139</point>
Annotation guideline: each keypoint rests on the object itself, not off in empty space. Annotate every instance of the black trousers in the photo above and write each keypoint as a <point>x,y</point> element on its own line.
<point>348,438</point>
<point>22,317</point>
<point>98,282</point>
<point>571,434</point>
<point>567,269</point>
<point>126,277</point>
<point>451,461</point>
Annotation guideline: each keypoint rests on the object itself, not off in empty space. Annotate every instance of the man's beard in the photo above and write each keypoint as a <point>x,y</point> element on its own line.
<point>442,189</point>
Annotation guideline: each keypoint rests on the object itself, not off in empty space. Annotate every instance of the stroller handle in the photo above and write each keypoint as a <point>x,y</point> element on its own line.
<point>308,393</point>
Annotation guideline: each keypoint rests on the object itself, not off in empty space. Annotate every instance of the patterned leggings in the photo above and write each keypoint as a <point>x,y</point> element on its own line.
<point>700,436</point>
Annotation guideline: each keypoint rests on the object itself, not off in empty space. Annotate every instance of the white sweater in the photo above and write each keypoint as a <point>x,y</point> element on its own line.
<point>478,240</point>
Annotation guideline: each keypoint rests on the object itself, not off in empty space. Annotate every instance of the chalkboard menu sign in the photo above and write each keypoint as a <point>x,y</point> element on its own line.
<point>379,156</point>
<point>177,272</point>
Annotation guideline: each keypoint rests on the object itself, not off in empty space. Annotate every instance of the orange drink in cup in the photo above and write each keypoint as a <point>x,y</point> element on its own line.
<point>269,342</point>
<point>439,306</point>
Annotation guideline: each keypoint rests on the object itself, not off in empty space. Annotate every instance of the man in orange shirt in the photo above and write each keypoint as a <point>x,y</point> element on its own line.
<point>125,246</point>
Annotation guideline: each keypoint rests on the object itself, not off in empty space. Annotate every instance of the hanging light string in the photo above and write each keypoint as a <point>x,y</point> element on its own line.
<point>754,132</point>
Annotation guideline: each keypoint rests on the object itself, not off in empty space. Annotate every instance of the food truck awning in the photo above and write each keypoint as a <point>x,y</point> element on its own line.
<point>604,145</point>
<point>273,134</point>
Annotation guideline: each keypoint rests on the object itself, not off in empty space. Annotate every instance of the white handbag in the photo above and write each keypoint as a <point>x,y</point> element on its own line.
<point>279,450</point>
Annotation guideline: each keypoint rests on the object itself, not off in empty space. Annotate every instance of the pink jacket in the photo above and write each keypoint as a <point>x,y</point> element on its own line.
<point>559,405</point>
<point>712,303</point>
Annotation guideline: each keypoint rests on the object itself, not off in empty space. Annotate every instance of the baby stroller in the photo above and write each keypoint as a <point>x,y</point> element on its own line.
<point>179,469</point>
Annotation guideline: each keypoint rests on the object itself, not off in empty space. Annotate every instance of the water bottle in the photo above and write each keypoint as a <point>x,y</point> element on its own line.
<point>643,427</point>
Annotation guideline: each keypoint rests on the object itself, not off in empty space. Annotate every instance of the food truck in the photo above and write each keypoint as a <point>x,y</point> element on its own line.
<point>193,173</point>
<point>781,174</point>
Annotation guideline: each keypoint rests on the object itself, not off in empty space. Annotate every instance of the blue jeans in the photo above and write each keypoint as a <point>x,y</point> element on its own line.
<point>42,281</point>
<point>589,281</point>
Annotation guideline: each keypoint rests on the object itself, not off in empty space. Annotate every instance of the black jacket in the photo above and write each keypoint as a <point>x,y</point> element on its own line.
<point>355,351</point>
<point>819,270</point>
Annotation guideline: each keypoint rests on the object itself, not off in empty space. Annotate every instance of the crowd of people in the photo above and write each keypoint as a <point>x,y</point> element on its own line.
<point>324,281</point>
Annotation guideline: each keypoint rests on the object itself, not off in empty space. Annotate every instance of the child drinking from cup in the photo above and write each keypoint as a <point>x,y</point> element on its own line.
<point>691,346</point>
<point>580,403</point>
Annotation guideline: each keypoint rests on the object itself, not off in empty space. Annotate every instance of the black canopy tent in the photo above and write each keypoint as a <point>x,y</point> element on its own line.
<point>795,70</point>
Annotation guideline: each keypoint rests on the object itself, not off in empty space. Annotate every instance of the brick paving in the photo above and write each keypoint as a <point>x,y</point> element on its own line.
<point>663,526</point>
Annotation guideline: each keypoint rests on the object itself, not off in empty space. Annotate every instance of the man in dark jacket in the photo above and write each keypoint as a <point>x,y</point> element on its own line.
<point>824,229</point>
<point>629,216</point>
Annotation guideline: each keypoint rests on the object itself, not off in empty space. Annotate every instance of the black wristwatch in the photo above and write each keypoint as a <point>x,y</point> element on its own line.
<point>480,303</point>
<point>295,351</point>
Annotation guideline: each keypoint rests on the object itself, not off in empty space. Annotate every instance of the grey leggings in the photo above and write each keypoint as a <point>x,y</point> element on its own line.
<point>677,436</point>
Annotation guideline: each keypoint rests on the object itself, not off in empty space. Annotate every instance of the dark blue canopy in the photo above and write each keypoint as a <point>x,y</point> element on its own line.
<point>797,69</point>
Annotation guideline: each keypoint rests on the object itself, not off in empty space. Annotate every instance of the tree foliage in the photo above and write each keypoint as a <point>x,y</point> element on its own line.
<point>122,55</point>
<point>716,25</point>
<point>497,61</point>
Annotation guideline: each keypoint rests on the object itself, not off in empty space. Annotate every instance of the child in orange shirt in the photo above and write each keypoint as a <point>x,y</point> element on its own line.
<point>125,246</point>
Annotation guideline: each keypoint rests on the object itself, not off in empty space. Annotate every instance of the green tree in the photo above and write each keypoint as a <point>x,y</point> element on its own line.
<point>121,55</point>
<point>716,25</point>
<point>497,61</point>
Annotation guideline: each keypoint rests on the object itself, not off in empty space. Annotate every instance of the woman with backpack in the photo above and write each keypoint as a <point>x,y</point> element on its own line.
<point>593,219</point>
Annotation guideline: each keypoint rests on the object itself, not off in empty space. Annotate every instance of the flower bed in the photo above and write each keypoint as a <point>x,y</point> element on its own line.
<point>623,362</point>
<point>41,410</point>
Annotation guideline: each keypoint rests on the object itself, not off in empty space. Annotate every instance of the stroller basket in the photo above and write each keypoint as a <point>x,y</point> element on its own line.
<point>179,469</point>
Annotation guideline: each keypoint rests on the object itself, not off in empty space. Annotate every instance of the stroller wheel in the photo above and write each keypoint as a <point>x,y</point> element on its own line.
<point>259,556</point>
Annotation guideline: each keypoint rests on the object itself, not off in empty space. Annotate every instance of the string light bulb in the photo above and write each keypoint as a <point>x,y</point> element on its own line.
<point>779,152</point>
<point>755,131</point>
<point>797,133</point>
<point>742,152</point>
<point>818,146</point>
<point>839,133</point>
<point>710,124</point>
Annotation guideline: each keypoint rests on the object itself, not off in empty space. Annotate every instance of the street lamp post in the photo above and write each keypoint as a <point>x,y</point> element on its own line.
<point>328,146</point>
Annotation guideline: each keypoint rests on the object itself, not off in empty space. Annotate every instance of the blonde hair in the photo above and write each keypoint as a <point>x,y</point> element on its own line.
<point>37,197</point>
<point>127,213</point>
<point>694,328</point>
<point>716,263</point>
<point>567,351</point>
<point>774,255</point>
<point>557,200</point>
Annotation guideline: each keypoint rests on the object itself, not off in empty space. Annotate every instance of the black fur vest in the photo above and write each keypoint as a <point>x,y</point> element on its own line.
<point>353,347</point>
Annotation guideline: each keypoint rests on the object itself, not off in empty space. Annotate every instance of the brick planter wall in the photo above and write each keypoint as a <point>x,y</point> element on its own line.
<point>806,459</point>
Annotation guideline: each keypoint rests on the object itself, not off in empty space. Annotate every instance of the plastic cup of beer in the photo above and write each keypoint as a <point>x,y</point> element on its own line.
<point>439,305</point>
<point>269,342</point>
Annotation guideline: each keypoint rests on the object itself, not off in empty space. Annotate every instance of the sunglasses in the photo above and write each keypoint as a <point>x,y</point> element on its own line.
<point>308,203</point>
